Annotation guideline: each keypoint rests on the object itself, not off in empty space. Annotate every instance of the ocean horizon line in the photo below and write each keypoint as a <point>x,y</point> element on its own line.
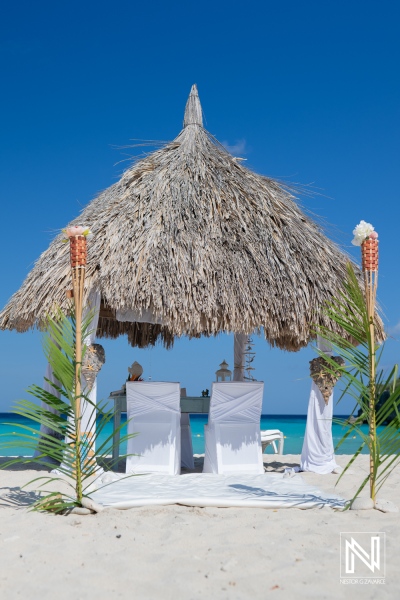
<point>346,416</point>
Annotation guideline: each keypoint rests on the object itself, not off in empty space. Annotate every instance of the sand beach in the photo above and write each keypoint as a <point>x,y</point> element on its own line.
<point>176,552</point>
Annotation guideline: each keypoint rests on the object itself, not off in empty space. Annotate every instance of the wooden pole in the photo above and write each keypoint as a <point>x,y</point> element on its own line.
<point>78,256</point>
<point>369,250</point>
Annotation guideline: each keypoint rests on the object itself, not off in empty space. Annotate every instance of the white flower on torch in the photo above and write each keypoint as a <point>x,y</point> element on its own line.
<point>362,232</point>
<point>74,230</point>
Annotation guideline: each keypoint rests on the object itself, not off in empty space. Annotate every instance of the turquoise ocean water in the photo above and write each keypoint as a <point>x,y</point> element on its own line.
<point>293,427</point>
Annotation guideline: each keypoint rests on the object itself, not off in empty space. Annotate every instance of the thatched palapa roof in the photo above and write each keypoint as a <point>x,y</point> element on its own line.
<point>193,237</point>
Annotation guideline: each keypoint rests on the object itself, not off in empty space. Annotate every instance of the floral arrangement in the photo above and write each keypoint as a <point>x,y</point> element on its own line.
<point>363,231</point>
<point>74,230</point>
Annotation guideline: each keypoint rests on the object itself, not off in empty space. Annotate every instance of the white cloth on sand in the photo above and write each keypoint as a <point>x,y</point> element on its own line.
<point>318,453</point>
<point>269,490</point>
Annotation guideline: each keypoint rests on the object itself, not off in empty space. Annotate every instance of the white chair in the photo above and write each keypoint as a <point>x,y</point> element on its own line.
<point>270,436</point>
<point>232,436</point>
<point>153,413</point>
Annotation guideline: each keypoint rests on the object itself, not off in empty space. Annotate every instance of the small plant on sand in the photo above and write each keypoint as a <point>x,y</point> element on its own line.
<point>364,381</point>
<point>80,454</point>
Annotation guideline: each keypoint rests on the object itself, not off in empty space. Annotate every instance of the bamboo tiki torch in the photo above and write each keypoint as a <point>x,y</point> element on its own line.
<point>78,256</point>
<point>369,249</point>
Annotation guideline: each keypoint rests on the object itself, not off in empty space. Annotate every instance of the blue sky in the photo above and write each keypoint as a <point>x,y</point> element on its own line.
<point>306,91</point>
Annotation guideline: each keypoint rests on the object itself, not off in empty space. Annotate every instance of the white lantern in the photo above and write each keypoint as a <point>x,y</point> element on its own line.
<point>223,373</point>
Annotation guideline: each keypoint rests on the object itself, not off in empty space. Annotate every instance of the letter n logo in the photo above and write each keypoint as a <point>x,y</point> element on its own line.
<point>362,554</point>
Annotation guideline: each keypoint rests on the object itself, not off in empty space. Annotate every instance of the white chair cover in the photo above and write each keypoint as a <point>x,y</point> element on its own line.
<point>318,452</point>
<point>187,460</point>
<point>232,436</point>
<point>153,412</point>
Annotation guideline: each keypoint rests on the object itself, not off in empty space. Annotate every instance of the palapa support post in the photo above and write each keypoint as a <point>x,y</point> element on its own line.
<point>369,250</point>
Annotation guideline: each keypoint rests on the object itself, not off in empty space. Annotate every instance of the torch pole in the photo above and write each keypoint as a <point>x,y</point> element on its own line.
<point>369,250</point>
<point>78,256</point>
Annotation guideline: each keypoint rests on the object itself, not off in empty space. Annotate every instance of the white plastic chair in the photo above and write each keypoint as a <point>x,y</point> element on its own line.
<point>270,436</point>
<point>232,436</point>
<point>153,413</point>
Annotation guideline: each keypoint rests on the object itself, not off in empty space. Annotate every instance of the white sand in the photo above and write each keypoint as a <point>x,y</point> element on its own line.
<point>177,552</point>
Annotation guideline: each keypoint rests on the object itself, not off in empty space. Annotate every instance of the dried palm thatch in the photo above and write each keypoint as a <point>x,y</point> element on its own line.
<point>200,241</point>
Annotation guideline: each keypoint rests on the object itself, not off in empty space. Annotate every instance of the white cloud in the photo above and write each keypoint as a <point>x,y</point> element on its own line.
<point>394,330</point>
<point>239,147</point>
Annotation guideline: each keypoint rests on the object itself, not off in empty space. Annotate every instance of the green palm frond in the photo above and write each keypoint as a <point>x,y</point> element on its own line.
<point>349,311</point>
<point>78,456</point>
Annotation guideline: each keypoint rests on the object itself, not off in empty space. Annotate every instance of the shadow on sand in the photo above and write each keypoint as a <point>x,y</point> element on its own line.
<point>16,498</point>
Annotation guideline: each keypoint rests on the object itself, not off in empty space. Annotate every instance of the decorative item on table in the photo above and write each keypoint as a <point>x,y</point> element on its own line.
<point>135,372</point>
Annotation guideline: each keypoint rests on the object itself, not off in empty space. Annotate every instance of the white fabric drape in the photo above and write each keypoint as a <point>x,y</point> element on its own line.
<point>232,436</point>
<point>239,348</point>
<point>324,346</point>
<point>236,403</point>
<point>134,316</point>
<point>44,430</point>
<point>49,388</point>
<point>153,412</point>
<point>88,422</point>
<point>318,452</point>
<point>153,396</point>
<point>266,490</point>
